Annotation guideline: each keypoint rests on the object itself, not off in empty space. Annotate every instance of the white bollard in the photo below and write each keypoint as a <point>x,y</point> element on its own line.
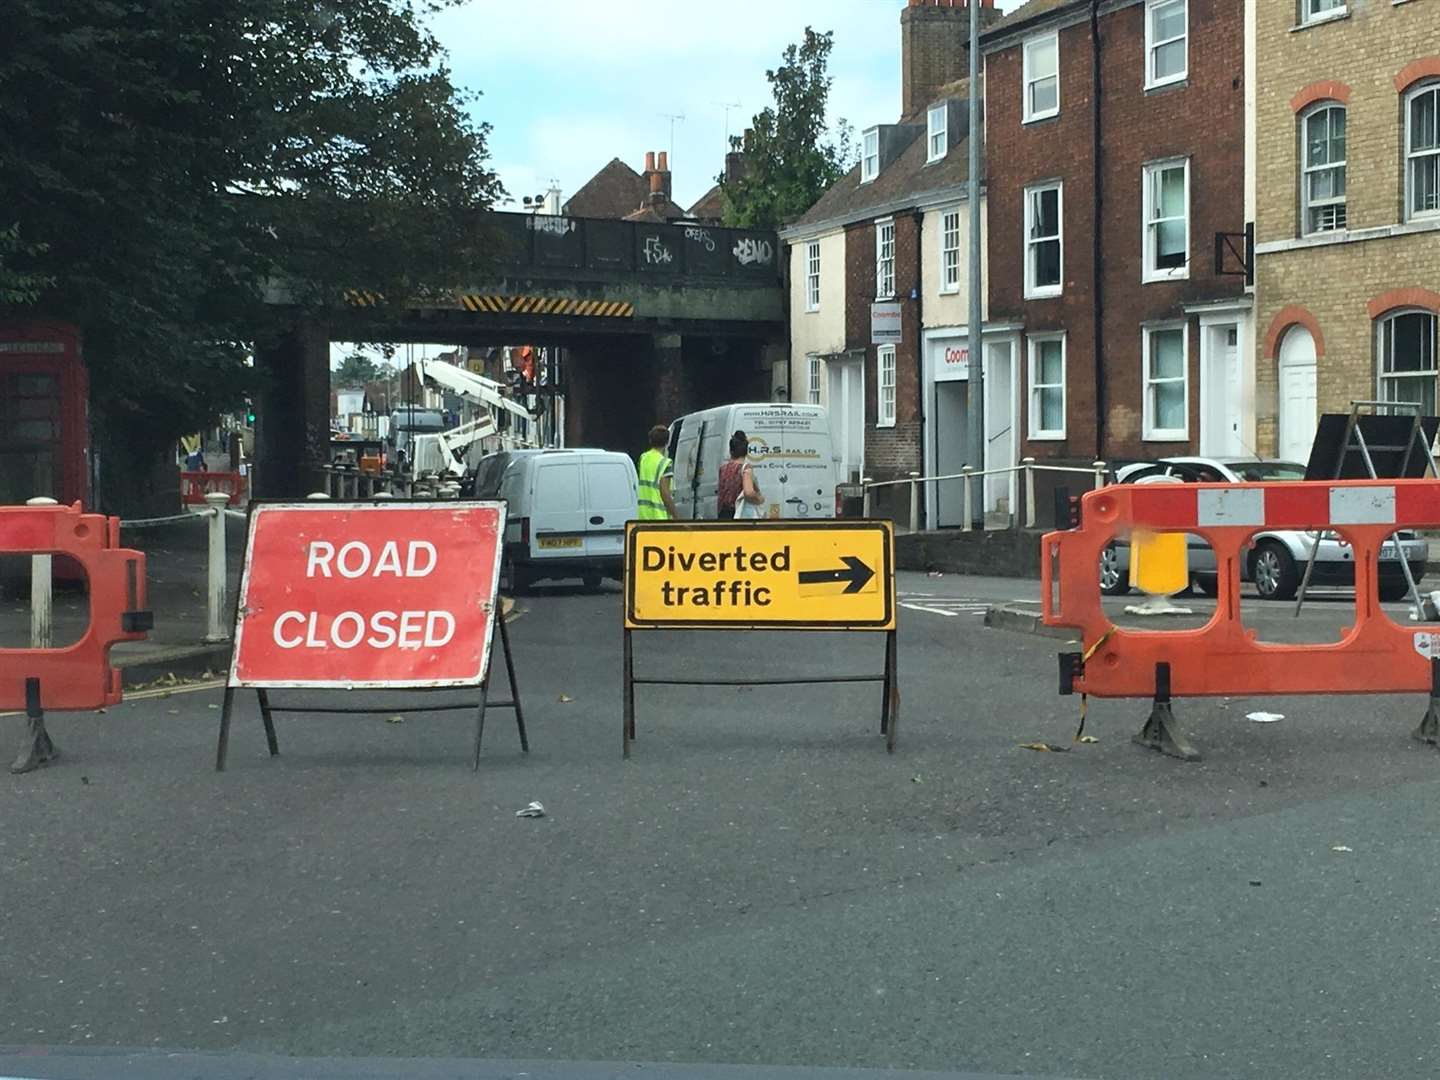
<point>1099,468</point>
<point>317,496</point>
<point>215,599</point>
<point>914,503</point>
<point>968,504</point>
<point>42,602</point>
<point>1029,464</point>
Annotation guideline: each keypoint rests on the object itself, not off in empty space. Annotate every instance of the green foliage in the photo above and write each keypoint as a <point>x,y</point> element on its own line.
<point>169,164</point>
<point>355,371</point>
<point>791,158</point>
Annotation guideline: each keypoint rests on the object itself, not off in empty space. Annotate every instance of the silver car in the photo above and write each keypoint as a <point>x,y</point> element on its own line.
<point>1277,559</point>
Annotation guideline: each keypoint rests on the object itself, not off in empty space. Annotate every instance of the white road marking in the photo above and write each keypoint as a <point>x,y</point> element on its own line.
<point>947,606</point>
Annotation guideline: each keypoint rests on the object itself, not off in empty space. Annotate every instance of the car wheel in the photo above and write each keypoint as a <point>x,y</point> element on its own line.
<point>1274,572</point>
<point>1206,586</point>
<point>1113,580</point>
<point>591,582</point>
<point>1394,590</point>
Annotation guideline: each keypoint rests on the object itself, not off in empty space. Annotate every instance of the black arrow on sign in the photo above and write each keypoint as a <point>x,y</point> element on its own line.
<point>855,573</point>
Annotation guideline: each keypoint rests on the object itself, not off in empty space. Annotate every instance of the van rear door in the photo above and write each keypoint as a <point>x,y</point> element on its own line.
<point>611,492</point>
<point>557,509</point>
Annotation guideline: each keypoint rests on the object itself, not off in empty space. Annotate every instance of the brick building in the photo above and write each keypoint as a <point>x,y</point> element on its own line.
<point>891,236</point>
<point>1116,137</point>
<point>1348,210</point>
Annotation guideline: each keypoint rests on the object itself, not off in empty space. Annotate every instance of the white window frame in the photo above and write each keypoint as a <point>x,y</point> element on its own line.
<point>870,155</point>
<point>1032,290</point>
<point>1311,14</point>
<point>937,132</point>
<point>1307,170</point>
<point>812,276</point>
<point>885,386</point>
<point>1430,86</point>
<point>1382,378</point>
<point>814,376</point>
<point>1034,412</point>
<point>1031,115</point>
<point>950,251</point>
<point>1151,433</point>
<point>1150,224</point>
<point>1151,45</point>
<point>885,259</point>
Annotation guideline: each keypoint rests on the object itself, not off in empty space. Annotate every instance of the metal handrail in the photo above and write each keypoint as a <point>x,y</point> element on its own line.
<point>1028,466</point>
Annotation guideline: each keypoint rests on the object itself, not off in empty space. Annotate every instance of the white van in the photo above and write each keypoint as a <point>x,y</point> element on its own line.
<point>790,448</point>
<point>566,514</point>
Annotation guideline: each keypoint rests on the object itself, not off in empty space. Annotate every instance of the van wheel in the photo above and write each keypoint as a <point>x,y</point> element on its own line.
<point>591,582</point>
<point>519,581</point>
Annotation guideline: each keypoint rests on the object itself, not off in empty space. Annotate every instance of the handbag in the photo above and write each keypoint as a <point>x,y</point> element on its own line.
<point>745,510</point>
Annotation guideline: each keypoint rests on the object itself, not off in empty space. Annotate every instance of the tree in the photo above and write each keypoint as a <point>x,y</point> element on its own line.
<point>791,157</point>
<point>166,165</point>
<point>355,370</point>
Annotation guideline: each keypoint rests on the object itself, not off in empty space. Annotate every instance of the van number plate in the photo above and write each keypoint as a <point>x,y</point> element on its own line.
<point>560,541</point>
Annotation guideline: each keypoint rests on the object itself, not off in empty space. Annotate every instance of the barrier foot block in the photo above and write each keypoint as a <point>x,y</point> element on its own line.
<point>39,748</point>
<point>1429,727</point>
<point>1160,731</point>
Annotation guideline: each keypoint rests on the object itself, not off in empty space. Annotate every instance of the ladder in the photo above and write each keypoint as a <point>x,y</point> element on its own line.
<point>1354,442</point>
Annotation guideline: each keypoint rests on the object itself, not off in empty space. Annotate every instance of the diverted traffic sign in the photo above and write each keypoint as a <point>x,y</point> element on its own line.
<point>833,575</point>
<point>399,595</point>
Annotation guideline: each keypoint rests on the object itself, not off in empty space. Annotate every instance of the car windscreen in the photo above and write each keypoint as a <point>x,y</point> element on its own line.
<point>1263,471</point>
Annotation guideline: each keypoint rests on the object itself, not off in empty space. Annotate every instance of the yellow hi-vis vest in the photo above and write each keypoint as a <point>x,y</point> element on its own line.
<point>653,465</point>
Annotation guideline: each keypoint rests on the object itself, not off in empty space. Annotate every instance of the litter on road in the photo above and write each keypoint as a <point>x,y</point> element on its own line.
<point>534,809</point>
<point>1265,717</point>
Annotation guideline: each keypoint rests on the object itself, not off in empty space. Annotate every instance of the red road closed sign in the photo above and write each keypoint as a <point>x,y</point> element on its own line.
<point>368,596</point>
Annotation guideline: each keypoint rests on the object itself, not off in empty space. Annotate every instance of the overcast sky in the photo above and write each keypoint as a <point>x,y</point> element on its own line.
<point>569,84</point>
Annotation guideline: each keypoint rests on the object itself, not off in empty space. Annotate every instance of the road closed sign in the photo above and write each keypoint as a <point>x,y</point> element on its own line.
<point>368,596</point>
<point>781,575</point>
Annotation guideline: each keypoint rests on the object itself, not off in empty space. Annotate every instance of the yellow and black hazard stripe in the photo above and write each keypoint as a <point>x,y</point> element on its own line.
<point>363,298</point>
<point>542,305</point>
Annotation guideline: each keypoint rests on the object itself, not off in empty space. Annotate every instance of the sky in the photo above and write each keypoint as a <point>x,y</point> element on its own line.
<point>567,85</point>
<point>570,84</point>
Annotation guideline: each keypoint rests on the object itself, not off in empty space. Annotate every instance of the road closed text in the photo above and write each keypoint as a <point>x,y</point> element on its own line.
<point>394,559</point>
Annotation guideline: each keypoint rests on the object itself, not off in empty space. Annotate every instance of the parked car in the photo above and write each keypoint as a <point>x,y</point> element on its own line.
<point>790,449</point>
<point>565,513</point>
<point>1277,559</point>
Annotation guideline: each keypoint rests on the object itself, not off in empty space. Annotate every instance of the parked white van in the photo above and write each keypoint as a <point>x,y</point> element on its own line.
<point>566,513</point>
<point>795,465</point>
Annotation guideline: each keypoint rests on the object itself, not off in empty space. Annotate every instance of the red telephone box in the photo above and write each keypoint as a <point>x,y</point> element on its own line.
<point>44,413</point>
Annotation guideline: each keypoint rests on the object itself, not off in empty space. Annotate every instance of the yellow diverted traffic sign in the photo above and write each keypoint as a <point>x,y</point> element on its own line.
<point>830,575</point>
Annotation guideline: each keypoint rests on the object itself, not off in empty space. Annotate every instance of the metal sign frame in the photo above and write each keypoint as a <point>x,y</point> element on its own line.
<point>498,623</point>
<point>888,677</point>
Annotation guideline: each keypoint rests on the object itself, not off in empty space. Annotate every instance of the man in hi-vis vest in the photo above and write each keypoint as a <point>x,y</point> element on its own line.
<point>657,474</point>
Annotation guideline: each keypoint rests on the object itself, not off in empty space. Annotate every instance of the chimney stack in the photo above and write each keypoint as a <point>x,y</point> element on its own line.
<point>649,162</point>
<point>734,166</point>
<point>935,47</point>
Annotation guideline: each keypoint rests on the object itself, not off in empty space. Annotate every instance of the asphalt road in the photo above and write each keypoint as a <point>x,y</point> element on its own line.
<point>760,883</point>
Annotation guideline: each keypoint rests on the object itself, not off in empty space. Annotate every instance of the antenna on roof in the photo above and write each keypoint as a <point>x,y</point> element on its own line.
<point>673,117</point>
<point>727,106</point>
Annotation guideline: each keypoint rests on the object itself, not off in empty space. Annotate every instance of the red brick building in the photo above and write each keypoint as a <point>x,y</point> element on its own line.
<point>1115,146</point>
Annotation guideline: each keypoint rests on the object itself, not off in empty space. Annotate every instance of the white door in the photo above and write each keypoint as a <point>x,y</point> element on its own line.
<point>846,399</point>
<point>557,514</point>
<point>610,489</point>
<point>1296,418</point>
<point>952,447</point>
<point>1222,405</point>
<point>999,423</point>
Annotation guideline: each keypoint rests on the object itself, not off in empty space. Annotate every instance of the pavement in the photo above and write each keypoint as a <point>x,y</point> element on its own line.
<point>760,884</point>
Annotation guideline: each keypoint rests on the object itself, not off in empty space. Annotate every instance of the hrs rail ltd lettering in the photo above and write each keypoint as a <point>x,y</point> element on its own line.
<point>399,595</point>
<point>782,575</point>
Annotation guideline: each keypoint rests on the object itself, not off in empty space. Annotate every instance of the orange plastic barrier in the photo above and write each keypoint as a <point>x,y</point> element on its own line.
<point>78,676</point>
<point>195,485</point>
<point>1222,658</point>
